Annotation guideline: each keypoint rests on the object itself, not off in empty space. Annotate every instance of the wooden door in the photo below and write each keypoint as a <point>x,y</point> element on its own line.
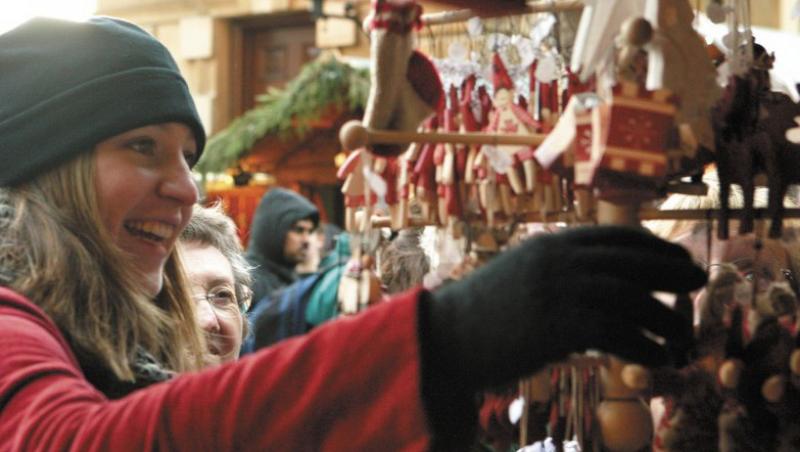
<point>274,52</point>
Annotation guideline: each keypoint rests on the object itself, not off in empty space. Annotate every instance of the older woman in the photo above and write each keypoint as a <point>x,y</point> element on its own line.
<point>220,280</point>
<point>98,135</point>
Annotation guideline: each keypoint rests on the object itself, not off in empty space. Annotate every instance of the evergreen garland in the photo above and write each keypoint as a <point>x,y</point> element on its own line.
<point>323,85</point>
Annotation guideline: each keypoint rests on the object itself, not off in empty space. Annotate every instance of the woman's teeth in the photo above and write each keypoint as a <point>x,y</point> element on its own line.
<point>151,230</point>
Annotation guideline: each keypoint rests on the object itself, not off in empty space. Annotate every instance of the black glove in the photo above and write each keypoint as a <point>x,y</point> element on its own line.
<point>557,294</point>
<point>551,296</point>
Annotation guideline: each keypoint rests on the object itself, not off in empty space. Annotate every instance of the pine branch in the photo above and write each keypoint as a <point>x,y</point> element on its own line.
<point>324,85</point>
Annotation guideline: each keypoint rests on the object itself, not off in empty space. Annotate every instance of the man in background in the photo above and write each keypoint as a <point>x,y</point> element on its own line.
<point>279,240</point>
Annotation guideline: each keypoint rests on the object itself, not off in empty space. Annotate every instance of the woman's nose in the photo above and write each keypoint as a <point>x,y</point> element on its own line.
<point>178,184</point>
<point>207,317</point>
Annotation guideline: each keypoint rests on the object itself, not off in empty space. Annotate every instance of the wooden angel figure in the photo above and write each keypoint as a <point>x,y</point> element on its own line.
<point>359,286</point>
<point>508,117</point>
<point>424,175</point>
<point>353,188</point>
<point>404,85</point>
<point>470,122</point>
<point>450,187</point>
<point>405,168</point>
<point>388,168</point>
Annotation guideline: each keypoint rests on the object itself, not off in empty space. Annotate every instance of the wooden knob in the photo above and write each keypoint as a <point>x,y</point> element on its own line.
<point>729,373</point>
<point>794,362</point>
<point>636,377</point>
<point>625,425</point>
<point>353,135</point>
<point>774,388</point>
<point>637,32</point>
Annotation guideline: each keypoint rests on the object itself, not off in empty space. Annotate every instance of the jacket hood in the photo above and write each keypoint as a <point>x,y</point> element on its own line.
<point>277,211</point>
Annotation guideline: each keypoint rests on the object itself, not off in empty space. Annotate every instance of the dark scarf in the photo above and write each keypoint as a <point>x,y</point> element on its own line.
<point>146,368</point>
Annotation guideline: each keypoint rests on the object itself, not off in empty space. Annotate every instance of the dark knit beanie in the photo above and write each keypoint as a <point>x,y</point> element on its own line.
<point>66,86</point>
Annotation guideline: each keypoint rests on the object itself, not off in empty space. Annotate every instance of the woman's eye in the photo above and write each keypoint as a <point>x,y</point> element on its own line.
<point>223,297</point>
<point>146,146</point>
<point>190,157</point>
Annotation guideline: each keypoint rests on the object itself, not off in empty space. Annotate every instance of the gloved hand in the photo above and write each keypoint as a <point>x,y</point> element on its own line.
<point>553,295</point>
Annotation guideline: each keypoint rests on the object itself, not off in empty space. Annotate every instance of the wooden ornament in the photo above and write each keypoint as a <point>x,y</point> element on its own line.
<point>636,377</point>
<point>729,373</point>
<point>404,85</point>
<point>774,388</point>
<point>794,362</point>
<point>625,426</point>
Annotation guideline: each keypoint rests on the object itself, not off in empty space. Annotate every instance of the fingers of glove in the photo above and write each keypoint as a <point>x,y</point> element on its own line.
<point>650,270</point>
<point>624,237</point>
<point>631,345</point>
<point>626,303</point>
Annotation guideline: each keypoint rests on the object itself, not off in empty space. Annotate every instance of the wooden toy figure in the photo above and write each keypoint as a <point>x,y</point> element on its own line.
<point>352,173</point>
<point>679,62</point>
<point>508,117</point>
<point>470,123</point>
<point>423,176</point>
<point>633,160</point>
<point>449,183</point>
<point>404,85</point>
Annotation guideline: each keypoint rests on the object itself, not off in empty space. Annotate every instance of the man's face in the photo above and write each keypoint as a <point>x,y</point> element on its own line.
<point>296,244</point>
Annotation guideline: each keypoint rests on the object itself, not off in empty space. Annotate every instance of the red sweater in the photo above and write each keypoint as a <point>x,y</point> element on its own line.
<point>349,385</point>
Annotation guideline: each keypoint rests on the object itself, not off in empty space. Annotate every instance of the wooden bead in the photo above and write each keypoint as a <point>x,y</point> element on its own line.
<point>774,388</point>
<point>794,362</point>
<point>636,377</point>
<point>625,426</point>
<point>353,135</point>
<point>637,32</point>
<point>729,373</point>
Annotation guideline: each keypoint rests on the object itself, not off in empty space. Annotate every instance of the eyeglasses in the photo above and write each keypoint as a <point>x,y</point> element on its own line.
<point>220,298</point>
<point>763,275</point>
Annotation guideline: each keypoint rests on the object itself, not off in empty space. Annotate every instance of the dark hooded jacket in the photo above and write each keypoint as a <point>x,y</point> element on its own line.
<point>278,210</point>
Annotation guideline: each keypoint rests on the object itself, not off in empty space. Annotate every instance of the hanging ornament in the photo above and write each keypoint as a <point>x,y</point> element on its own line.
<point>541,29</point>
<point>475,27</point>
<point>547,68</point>
<point>526,50</point>
<point>404,85</point>
<point>716,12</point>
<point>457,51</point>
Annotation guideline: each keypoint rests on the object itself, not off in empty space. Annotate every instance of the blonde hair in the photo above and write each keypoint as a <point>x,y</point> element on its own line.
<point>55,250</point>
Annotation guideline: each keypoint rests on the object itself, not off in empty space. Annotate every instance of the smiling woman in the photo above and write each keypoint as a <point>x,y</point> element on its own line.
<point>98,136</point>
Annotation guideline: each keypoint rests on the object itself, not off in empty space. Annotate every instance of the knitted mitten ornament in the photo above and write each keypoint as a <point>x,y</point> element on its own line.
<point>405,87</point>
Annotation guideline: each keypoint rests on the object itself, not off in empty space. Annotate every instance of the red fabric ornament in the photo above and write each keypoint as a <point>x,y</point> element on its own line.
<point>500,77</point>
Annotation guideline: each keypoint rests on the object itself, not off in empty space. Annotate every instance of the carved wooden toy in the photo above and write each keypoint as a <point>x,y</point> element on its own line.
<point>423,176</point>
<point>404,85</point>
<point>679,62</point>
<point>633,159</point>
<point>450,189</point>
<point>508,117</point>
<point>353,187</point>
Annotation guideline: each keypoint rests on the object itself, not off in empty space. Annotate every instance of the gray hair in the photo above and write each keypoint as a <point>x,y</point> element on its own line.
<point>211,226</point>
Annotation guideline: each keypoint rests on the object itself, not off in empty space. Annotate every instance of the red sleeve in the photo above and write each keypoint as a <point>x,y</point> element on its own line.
<point>352,384</point>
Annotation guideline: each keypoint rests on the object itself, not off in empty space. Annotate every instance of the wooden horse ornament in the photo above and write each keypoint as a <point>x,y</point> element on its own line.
<point>757,131</point>
<point>404,85</point>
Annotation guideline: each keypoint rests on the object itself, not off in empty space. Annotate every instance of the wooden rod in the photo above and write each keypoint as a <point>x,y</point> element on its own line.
<point>463,15</point>
<point>354,135</point>
<point>644,214</point>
